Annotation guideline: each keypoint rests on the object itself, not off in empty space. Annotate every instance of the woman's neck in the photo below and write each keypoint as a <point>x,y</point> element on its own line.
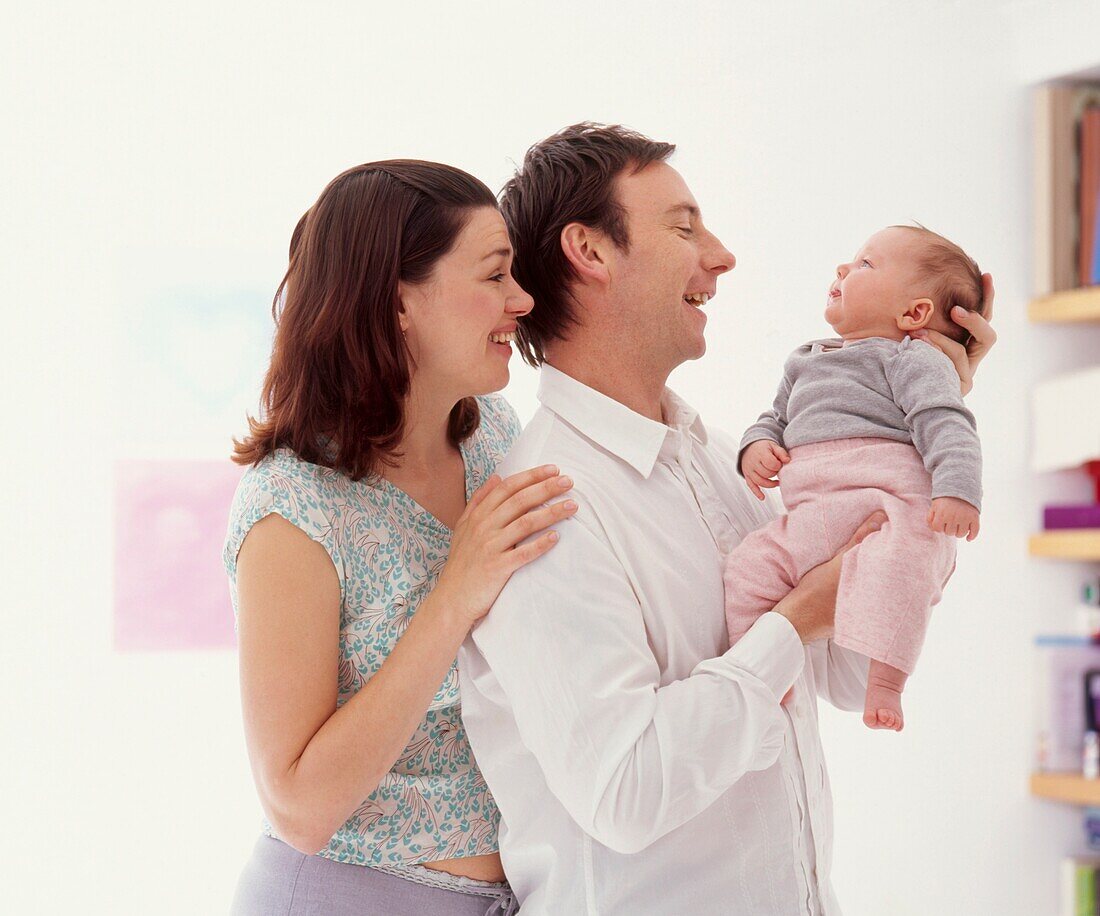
<point>424,440</point>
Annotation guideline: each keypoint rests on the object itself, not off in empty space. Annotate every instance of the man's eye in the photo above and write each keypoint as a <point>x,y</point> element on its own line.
<point>686,229</point>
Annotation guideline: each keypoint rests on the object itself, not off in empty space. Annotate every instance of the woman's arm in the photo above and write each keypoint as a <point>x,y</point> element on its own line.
<point>312,763</point>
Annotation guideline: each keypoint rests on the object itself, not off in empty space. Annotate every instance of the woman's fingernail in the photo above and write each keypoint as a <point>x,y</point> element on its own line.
<point>551,469</point>
<point>565,482</point>
<point>569,505</point>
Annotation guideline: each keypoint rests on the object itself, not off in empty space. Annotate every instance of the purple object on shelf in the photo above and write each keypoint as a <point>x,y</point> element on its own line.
<point>1086,515</point>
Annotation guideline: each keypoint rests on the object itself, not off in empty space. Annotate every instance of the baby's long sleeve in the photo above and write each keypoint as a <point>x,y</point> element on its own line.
<point>926,388</point>
<point>772,422</point>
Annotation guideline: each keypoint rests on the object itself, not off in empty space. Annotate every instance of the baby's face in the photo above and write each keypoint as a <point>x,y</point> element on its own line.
<point>875,288</point>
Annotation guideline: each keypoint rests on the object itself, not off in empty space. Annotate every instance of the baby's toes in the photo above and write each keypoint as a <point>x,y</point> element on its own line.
<point>888,718</point>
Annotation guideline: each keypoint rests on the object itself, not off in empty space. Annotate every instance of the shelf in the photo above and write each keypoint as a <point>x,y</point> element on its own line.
<point>1066,787</point>
<point>1071,544</point>
<point>1071,305</point>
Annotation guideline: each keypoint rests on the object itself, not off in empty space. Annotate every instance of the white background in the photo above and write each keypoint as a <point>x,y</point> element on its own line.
<point>191,137</point>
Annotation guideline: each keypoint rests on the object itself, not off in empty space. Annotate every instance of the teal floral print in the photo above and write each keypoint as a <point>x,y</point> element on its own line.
<point>388,552</point>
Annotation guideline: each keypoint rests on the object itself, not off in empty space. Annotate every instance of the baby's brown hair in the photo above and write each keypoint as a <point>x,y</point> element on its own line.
<point>954,277</point>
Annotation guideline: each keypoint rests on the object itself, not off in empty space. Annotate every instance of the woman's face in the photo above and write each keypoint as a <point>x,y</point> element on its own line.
<point>461,321</point>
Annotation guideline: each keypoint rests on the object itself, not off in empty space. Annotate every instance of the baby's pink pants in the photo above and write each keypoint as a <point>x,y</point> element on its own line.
<point>888,583</point>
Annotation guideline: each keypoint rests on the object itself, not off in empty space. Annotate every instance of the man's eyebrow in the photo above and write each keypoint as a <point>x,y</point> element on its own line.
<point>690,209</point>
<point>499,253</point>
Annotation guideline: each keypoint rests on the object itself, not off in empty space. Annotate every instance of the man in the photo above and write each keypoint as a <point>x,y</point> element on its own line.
<point>641,765</point>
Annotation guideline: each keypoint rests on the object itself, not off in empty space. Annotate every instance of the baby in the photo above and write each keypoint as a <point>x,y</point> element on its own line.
<point>870,420</point>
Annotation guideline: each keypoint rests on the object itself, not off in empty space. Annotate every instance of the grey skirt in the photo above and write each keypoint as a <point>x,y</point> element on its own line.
<point>280,880</point>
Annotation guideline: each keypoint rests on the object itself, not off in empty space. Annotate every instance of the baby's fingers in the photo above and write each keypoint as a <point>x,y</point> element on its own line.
<point>974,526</point>
<point>757,479</point>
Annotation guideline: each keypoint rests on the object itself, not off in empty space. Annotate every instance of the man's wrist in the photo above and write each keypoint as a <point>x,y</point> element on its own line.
<point>790,607</point>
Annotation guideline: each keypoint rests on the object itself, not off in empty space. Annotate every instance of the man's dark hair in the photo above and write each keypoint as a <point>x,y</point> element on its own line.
<point>566,178</point>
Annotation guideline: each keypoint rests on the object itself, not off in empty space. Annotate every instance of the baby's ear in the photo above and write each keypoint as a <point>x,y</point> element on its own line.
<point>918,315</point>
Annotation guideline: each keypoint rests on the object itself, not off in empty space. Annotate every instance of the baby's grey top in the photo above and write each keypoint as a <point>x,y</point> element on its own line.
<point>903,390</point>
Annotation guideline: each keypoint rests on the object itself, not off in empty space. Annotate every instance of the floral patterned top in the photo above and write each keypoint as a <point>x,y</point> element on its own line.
<point>388,552</point>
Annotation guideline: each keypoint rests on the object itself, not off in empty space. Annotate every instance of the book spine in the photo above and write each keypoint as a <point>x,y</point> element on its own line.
<point>1089,189</point>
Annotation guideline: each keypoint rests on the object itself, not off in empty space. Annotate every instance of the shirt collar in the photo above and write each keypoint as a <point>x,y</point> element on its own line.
<point>635,439</point>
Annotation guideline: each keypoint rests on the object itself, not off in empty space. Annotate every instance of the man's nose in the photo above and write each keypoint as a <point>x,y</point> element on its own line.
<point>718,259</point>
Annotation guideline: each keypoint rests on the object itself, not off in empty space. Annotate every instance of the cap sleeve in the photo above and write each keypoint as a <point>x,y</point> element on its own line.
<point>270,488</point>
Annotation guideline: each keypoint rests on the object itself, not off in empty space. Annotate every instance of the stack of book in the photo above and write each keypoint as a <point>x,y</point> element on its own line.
<point>1079,886</point>
<point>1068,226</point>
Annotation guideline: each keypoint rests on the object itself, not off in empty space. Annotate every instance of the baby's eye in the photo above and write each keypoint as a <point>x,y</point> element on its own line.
<point>864,262</point>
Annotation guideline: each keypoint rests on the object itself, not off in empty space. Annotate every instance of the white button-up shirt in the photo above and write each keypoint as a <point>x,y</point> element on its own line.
<point>641,765</point>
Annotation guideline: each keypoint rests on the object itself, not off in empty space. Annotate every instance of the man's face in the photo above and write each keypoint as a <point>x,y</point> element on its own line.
<point>670,270</point>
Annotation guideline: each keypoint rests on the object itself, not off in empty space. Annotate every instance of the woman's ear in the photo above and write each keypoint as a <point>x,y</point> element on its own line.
<point>403,293</point>
<point>918,315</point>
<point>584,248</point>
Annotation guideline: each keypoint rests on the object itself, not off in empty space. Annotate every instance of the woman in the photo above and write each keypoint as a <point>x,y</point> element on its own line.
<point>366,539</point>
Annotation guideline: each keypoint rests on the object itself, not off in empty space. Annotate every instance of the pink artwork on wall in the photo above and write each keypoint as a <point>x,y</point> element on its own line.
<point>171,591</point>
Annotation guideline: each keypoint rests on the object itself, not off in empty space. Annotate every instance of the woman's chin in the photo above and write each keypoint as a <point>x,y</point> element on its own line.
<point>491,382</point>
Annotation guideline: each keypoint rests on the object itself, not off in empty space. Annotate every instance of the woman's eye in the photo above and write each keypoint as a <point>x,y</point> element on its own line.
<point>497,278</point>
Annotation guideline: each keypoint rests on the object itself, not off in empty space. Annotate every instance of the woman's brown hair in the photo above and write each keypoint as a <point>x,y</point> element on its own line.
<point>335,389</point>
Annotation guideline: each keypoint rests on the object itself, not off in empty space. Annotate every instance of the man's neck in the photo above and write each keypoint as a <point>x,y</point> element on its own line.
<point>630,385</point>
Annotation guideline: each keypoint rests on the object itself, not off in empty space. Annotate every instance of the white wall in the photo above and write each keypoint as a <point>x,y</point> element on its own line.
<point>196,135</point>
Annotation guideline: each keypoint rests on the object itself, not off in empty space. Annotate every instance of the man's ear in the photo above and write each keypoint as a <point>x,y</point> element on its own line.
<point>585,249</point>
<point>918,315</point>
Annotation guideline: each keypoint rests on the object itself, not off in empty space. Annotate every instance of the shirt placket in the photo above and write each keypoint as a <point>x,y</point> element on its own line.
<point>710,506</point>
<point>800,793</point>
<point>811,783</point>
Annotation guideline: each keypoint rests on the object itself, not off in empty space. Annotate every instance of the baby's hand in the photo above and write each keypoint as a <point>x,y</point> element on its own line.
<point>955,517</point>
<point>760,462</point>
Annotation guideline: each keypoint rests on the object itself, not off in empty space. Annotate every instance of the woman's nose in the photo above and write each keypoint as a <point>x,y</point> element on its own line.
<point>519,303</point>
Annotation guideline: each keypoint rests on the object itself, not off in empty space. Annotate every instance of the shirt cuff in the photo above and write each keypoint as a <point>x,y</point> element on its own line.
<point>772,651</point>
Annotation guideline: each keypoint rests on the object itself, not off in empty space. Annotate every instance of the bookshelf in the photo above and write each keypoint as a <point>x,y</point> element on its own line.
<point>1067,306</point>
<point>1063,297</point>
<point>1080,544</point>
<point>1071,788</point>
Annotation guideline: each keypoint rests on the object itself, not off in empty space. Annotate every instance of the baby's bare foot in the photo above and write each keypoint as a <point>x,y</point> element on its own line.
<point>882,705</point>
<point>884,718</point>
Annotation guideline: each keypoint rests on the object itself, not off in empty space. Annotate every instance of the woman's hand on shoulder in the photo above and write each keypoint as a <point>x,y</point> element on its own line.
<point>982,338</point>
<point>494,538</point>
